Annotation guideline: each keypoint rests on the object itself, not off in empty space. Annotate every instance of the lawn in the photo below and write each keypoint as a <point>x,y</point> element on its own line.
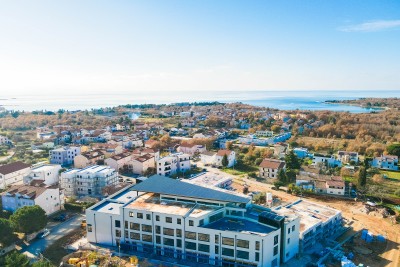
<point>391,174</point>
<point>240,170</point>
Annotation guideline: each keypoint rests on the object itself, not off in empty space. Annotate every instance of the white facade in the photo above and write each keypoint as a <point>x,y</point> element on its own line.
<point>173,164</point>
<point>211,231</point>
<point>64,155</point>
<point>48,173</point>
<point>4,140</point>
<point>13,173</point>
<point>191,149</point>
<point>386,162</point>
<point>88,181</point>
<point>264,133</point>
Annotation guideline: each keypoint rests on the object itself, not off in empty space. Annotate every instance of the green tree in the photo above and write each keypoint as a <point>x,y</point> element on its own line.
<point>290,176</point>
<point>42,263</point>
<point>179,125</point>
<point>16,259</point>
<point>29,219</point>
<point>225,161</point>
<point>394,149</point>
<point>6,233</point>
<point>282,176</point>
<point>292,161</point>
<point>362,177</point>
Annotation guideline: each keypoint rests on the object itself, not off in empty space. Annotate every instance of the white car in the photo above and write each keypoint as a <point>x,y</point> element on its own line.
<point>45,233</point>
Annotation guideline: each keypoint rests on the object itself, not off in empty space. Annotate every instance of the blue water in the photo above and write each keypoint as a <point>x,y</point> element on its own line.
<point>284,100</point>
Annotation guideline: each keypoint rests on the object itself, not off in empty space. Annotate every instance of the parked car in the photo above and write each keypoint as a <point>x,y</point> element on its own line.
<point>60,218</point>
<point>43,234</point>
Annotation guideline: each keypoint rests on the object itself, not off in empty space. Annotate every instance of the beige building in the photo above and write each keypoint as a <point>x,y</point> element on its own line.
<point>269,168</point>
<point>140,164</point>
<point>88,158</point>
<point>118,161</point>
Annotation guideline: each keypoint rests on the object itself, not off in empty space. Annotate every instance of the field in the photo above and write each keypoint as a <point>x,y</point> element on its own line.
<point>392,174</point>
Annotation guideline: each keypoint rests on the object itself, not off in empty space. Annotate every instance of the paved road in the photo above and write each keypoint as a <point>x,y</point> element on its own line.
<point>56,232</point>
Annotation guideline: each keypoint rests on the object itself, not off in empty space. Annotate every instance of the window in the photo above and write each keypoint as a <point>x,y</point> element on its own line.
<point>257,256</point>
<point>135,236</point>
<point>168,231</point>
<point>140,215</point>
<point>216,238</point>
<point>190,245</point>
<point>204,237</point>
<point>157,218</point>
<point>168,219</point>
<point>276,239</point>
<point>288,240</point>
<point>126,224</point>
<point>275,250</point>
<point>228,252</point>
<point>257,245</point>
<point>147,238</point>
<point>178,232</point>
<point>158,229</point>
<point>179,221</point>
<point>288,230</point>
<point>89,228</point>
<point>242,243</point>
<point>190,235</point>
<point>228,241</point>
<point>147,228</point>
<point>169,242</point>
<point>117,233</point>
<point>293,227</point>
<point>148,217</point>
<point>204,248</point>
<point>201,222</point>
<point>134,226</point>
<point>242,254</point>
<point>179,243</point>
<point>216,249</point>
<point>191,223</point>
<point>126,234</point>
<point>158,239</point>
<point>117,223</point>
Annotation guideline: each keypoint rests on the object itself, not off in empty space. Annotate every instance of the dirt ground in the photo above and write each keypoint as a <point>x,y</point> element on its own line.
<point>352,211</point>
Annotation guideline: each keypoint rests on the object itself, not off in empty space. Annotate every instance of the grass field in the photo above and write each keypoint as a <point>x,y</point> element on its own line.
<point>240,170</point>
<point>391,174</point>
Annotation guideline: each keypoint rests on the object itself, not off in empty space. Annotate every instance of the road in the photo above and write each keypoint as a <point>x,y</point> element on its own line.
<point>56,232</point>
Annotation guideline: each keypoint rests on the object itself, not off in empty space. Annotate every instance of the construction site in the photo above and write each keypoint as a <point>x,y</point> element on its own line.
<point>369,234</point>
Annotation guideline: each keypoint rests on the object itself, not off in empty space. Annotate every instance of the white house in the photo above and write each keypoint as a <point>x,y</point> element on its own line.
<point>64,155</point>
<point>191,149</point>
<point>173,164</point>
<point>4,140</point>
<point>231,155</point>
<point>269,168</point>
<point>50,199</point>
<point>48,174</point>
<point>347,157</point>
<point>13,173</point>
<point>387,162</point>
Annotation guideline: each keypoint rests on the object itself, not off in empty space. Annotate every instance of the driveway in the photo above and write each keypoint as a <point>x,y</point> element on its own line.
<point>56,232</point>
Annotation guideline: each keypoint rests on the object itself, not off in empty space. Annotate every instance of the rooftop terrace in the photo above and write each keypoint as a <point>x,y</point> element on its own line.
<point>240,225</point>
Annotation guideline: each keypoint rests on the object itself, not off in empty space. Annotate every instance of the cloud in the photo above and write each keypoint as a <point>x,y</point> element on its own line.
<point>372,26</point>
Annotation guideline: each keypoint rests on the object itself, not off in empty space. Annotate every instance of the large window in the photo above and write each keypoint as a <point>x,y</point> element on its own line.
<point>275,250</point>
<point>216,239</point>
<point>148,217</point>
<point>257,245</point>
<point>242,254</point>
<point>140,215</point>
<point>126,224</point>
<point>134,226</point>
<point>168,219</point>
<point>228,252</point>
<point>276,240</point>
<point>190,245</point>
<point>117,233</point>
<point>89,228</point>
<point>228,241</point>
<point>131,214</point>
<point>191,223</point>
<point>135,236</point>
<point>257,256</point>
<point>168,231</point>
<point>117,223</point>
<point>147,228</point>
<point>157,218</point>
<point>158,229</point>
<point>179,221</point>
<point>179,243</point>
<point>204,237</point>
<point>169,242</point>
<point>216,217</point>
<point>178,232</point>
<point>204,248</point>
<point>147,238</point>
<point>242,243</point>
<point>158,239</point>
<point>190,235</point>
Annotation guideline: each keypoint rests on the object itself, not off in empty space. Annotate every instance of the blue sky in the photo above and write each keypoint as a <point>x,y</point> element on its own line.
<point>199,45</point>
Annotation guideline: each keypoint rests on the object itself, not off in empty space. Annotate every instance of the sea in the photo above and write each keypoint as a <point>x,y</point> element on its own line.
<point>283,100</point>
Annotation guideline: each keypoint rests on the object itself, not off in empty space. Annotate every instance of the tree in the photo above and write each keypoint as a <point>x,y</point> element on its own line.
<point>292,161</point>
<point>362,177</point>
<point>225,161</point>
<point>229,145</point>
<point>377,191</point>
<point>179,125</point>
<point>282,176</point>
<point>394,149</point>
<point>278,184</point>
<point>16,259</point>
<point>42,263</point>
<point>290,176</point>
<point>6,233</point>
<point>29,219</point>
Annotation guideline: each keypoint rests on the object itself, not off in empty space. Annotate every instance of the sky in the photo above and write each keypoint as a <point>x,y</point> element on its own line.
<point>179,45</point>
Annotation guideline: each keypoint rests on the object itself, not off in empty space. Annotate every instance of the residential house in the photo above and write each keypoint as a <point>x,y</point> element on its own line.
<point>151,143</point>
<point>208,157</point>
<point>4,140</point>
<point>140,164</point>
<point>13,173</point>
<point>173,164</point>
<point>191,149</point>
<point>89,158</point>
<point>88,181</point>
<point>143,151</point>
<point>230,154</point>
<point>327,160</point>
<point>42,173</point>
<point>119,161</point>
<point>269,168</point>
<point>386,162</point>
<point>64,155</point>
<point>49,198</point>
<point>280,150</point>
<point>108,149</point>
<point>347,157</point>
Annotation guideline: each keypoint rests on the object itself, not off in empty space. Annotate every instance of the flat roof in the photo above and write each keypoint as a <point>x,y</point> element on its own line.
<point>46,167</point>
<point>125,196</point>
<point>208,179</point>
<point>108,207</point>
<point>164,185</point>
<point>240,225</point>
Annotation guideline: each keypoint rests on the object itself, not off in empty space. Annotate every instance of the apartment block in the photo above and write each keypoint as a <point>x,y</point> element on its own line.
<point>173,164</point>
<point>88,181</point>
<point>191,223</point>
<point>47,174</point>
<point>64,155</point>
